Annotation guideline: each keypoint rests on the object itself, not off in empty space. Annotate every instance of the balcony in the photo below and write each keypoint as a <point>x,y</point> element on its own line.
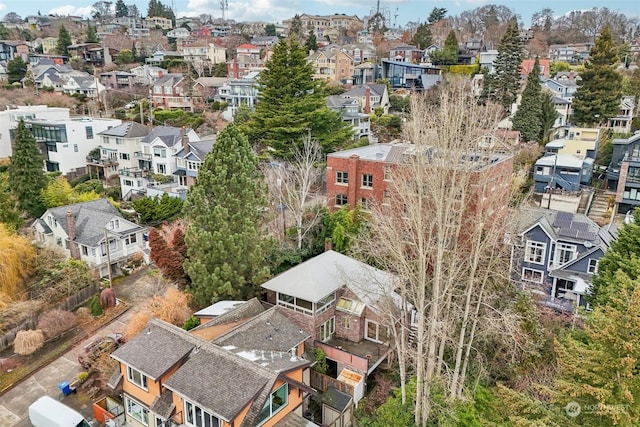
<point>142,156</point>
<point>134,172</point>
<point>104,161</point>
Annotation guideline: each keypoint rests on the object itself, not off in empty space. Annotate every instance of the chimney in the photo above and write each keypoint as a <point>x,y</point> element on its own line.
<point>160,74</point>
<point>328,245</point>
<point>185,142</point>
<point>71,231</point>
<point>367,100</point>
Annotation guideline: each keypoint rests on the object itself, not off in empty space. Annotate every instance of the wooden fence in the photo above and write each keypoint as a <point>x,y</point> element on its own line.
<point>322,382</point>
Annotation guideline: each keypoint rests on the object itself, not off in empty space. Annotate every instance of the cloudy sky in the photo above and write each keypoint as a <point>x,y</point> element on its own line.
<point>277,10</point>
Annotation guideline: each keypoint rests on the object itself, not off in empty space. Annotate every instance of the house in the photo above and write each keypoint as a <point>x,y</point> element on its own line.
<point>238,92</point>
<point>248,378</point>
<point>147,74</point>
<point>265,41</point>
<point>561,171</point>
<point>162,144</point>
<point>361,52</point>
<point>86,85</point>
<point>10,117</point>
<point>172,91</point>
<point>365,73</point>
<point>328,25</point>
<point>339,300</point>
<point>122,155</point>
<point>203,54</point>
<point>93,53</point>
<point>527,65</point>
<point>361,176</point>
<point>66,143</point>
<point>555,254</point>
<point>575,53</point>
<point>179,33</point>
<point>241,66</point>
<point>410,76</point>
<point>487,60</point>
<point>563,108</point>
<point>350,111</point>
<point>119,80</point>
<point>370,97</point>
<point>575,141</point>
<point>158,22</point>
<point>10,49</point>
<point>207,88</point>
<point>623,173</point>
<point>406,53</point>
<point>561,87</point>
<point>92,231</point>
<point>189,159</point>
<point>49,44</point>
<point>621,123</point>
<point>331,65</point>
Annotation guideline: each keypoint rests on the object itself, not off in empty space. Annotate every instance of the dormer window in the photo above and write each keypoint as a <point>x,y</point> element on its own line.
<point>114,224</point>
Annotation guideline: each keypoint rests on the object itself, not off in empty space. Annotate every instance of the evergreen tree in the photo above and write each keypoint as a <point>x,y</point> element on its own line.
<point>26,173</point>
<point>121,9</point>
<point>295,27</point>
<point>597,98</point>
<point>225,249</point>
<point>600,371</point>
<point>506,81</point>
<point>624,255</point>
<point>9,214</point>
<point>422,38</point>
<point>291,104</point>
<point>528,118</point>
<point>92,35</point>
<point>270,30</point>
<point>16,69</point>
<point>312,42</point>
<point>437,14</point>
<point>548,116</point>
<point>448,55</point>
<point>64,40</point>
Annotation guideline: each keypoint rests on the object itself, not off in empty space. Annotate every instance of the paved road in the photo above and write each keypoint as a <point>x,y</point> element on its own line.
<point>14,404</point>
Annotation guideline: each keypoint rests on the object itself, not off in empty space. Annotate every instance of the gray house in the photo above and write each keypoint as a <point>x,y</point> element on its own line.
<point>561,171</point>
<point>555,254</point>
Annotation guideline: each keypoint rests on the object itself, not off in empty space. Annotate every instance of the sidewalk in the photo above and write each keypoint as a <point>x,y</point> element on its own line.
<point>14,405</point>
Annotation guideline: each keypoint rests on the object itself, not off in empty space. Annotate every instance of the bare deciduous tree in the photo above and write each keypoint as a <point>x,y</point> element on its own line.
<point>442,235</point>
<point>292,186</point>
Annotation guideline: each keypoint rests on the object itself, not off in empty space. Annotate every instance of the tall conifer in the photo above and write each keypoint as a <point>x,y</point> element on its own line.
<point>505,82</point>
<point>527,119</point>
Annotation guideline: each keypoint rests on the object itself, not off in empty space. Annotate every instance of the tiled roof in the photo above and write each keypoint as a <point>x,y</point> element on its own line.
<point>127,130</point>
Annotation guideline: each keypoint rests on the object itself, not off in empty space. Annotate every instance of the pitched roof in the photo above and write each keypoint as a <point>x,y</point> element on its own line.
<point>155,350</point>
<point>317,277</point>
<point>168,134</point>
<point>268,331</point>
<point>127,130</point>
<point>91,218</point>
<point>360,91</point>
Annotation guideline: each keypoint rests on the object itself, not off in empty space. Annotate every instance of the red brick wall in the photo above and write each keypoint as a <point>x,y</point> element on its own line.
<point>354,191</point>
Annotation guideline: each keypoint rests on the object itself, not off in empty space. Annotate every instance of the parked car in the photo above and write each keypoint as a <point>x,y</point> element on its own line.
<point>48,412</point>
<point>131,105</point>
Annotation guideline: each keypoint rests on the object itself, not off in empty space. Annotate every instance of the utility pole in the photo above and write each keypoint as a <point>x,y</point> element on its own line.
<point>106,243</point>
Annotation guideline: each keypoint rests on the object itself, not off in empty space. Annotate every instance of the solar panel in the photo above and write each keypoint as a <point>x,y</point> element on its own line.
<point>568,232</point>
<point>562,223</point>
<point>586,235</point>
<point>564,216</point>
<point>582,226</point>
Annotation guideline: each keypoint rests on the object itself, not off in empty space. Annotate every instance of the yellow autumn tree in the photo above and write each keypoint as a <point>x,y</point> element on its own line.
<point>16,263</point>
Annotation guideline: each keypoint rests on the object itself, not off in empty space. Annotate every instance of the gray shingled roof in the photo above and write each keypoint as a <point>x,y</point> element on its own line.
<point>163,404</point>
<point>168,134</point>
<point>127,130</point>
<point>199,149</point>
<point>91,218</point>
<point>154,351</point>
<point>268,331</point>
<point>360,91</point>
<point>336,399</point>
<point>251,308</point>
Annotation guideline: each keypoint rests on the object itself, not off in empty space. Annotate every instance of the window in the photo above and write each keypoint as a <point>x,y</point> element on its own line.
<point>327,329</point>
<point>114,224</point>
<point>367,181</point>
<point>159,152</point>
<point>75,148</point>
<point>325,303</point>
<point>366,204</point>
<point>564,254</point>
<point>593,266</point>
<point>342,177</point>
<point>534,252</point>
<point>374,332</point>
<point>162,168</point>
<point>137,411</point>
<point>127,182</point>
<point>386,198</point>
<point>531,275</point>
<point>276,401</point>
<point>85,250</point>
<point>346,322</point>
<point>89,132</point>
<point>196,416</point>
<point>119,141</point>
<point>387,174</point>
<point>341,199</point>
<point>296,304</point>
<point>131,239</point>
<point>136,377</point>
<point>124,156</point>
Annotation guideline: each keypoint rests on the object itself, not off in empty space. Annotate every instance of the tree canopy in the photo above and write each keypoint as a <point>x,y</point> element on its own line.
<point>16,69</point>
<point>92,35</point>
<point>224,241</point>
<point>527,118</point>
<point>26,172</point>
<point>597,98</point>
<point>422,37</point>
<point>291,104</point>
<point>64,41</point>
<point>121,9</point>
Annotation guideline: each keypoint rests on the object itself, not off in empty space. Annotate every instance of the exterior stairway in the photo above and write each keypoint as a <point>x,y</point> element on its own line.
<point>597,211</point>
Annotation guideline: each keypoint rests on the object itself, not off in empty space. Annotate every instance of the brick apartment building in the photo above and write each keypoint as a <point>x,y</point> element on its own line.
<point>363,175</point>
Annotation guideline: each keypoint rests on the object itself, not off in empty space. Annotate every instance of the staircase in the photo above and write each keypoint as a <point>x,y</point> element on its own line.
<point>597,211</point>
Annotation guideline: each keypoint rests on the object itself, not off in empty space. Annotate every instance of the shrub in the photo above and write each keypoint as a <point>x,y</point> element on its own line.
<point>96,307</point>
<point>27,342</point>
<point>321,361</point>
<point>82,376</point>
<point>108,298</point>
<point>191,323</point>
<point>55,322</point>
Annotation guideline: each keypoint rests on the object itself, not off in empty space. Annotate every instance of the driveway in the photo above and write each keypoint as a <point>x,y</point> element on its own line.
<point>14,404</point>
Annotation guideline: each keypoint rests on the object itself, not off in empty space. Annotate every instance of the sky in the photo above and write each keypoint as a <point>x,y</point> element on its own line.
<point>277,10</point>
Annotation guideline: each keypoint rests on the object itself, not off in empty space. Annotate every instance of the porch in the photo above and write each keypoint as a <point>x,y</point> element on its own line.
<point>363,356</point>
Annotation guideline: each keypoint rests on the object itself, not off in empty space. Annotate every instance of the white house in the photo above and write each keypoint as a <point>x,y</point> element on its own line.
<point>66,143</point>
<point>162,144</point>
<point>92,231</point>
<point>10,117</point>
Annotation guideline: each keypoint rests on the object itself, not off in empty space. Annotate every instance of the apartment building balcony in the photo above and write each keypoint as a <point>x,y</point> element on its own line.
<point>134,172</point>
<point>142,156</point>
<point>103,161</point>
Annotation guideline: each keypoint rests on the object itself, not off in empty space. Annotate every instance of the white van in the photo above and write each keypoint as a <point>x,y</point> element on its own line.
<point>48,412</point>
